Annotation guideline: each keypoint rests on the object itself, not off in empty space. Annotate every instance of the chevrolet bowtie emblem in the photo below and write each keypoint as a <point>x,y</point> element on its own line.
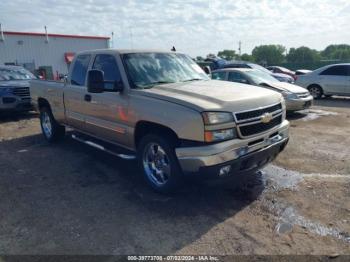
<point>266,118</point>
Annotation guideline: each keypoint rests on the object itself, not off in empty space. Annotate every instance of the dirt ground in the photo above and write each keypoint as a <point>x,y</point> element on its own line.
<point>69,198</point>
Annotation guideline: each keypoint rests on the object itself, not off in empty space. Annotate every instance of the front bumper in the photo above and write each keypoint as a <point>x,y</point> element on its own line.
<point>299,103</point>
<point>10,103</point>
<point>198,159</point>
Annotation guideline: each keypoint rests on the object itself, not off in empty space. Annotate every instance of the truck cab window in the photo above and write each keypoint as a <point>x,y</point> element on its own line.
<point>108,65</point>
<point>80,69</point>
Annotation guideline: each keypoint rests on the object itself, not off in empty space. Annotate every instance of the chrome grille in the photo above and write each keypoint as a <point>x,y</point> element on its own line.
<point>250,122</point>
<point>303,95</point>
<point>21,91</point>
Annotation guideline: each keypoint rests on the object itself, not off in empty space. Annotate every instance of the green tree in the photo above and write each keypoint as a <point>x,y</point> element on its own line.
<point>228,54</point>
<point>341,52</point>
<point>246,57</point>
<point>269,54</point>
<point>303,54</point>
<point>200,58</point>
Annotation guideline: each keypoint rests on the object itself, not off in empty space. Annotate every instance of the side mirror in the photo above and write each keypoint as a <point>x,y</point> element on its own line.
<point>95,82</point>
<point>207,70</point>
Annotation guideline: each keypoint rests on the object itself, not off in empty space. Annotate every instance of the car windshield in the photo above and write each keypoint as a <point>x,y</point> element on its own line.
<point>148,69</point>
<point>260,77</point>
<point>259,67</point>
<point>7,74</point>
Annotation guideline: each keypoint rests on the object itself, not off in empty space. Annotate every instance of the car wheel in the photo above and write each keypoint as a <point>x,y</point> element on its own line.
<point>158,161</point>
<point>51,130</point>
<point>316,91</point>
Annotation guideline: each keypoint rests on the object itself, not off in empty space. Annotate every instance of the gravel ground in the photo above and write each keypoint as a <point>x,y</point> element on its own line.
<point>69,198</point>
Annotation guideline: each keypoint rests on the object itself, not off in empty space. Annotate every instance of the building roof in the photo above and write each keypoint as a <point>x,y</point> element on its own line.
<point>55,35</point>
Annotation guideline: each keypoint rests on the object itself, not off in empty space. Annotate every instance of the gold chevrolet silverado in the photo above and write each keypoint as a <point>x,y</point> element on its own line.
<point>162,108</point>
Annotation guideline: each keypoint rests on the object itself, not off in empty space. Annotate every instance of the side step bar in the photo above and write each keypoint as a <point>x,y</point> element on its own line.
<point>102,148</point>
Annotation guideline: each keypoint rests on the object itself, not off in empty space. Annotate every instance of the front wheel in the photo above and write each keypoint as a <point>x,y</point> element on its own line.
<point>52,131</point>
<point>158,161</point>
<point>316,91</point>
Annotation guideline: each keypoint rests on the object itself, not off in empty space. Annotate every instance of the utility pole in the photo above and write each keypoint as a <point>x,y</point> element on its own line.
<point>112,40</point>
<point>1,34</point>
<point>131,40</point>
<point>47,36</point>
<point>239,49</point>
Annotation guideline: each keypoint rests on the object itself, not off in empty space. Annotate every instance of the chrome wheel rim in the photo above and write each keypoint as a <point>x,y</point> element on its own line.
<point>156,164</point>
<point>46,124</point>
<point>315,91</point>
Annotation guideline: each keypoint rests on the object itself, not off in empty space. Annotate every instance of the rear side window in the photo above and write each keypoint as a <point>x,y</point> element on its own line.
<point>236,77</point>
<point>108,65</point>
<point>80,69</point>
<point>339,70</point>
<point>218,75</point>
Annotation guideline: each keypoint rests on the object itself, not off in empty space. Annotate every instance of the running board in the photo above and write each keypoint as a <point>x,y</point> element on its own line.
<point>102,148</point>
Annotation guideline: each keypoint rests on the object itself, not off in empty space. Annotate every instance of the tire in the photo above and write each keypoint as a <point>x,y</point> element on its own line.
<point>328,96</point>
<point>316,91</point>
<point>158,162</point>
<point>51,130</point>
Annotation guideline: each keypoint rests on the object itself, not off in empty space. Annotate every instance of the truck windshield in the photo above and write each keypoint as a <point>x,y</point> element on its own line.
<point>7,74</point>
<point>148,69</point>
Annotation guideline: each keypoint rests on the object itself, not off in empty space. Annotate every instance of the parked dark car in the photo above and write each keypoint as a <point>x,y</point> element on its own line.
<point>14,88</point>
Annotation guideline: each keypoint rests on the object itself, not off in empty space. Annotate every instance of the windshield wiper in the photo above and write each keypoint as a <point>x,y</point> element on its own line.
<point>192,79</point>
<point>152,84</point>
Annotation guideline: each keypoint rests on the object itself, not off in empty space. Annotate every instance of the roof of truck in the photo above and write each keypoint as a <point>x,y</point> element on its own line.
<point>127,51</point>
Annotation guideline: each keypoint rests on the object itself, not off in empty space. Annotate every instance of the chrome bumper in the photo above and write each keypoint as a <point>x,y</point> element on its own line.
<point>191,159</point>
<point>299,103</point>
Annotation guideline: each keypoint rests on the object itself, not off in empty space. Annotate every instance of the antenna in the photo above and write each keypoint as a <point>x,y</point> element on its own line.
<point>1,34</point>
<point>47,36</point>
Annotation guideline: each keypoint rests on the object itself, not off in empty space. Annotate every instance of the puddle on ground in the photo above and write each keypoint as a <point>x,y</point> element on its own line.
<point>278,178</point>
<point>312,114</point>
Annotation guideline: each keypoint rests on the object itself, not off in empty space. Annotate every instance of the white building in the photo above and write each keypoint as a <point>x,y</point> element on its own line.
<point>51,52</point>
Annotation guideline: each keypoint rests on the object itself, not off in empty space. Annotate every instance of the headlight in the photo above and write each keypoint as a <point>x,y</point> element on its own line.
<point>212,118</point>
<point>289,95</point>
<point>5,90</point>
<point>220,135</point>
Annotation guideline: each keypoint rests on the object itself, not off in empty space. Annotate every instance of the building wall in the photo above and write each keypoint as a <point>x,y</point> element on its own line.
<point>21,49</point>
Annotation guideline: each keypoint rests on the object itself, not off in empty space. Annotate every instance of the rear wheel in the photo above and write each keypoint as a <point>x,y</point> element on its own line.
<point>51,130</point>
<point>316,91</point>
<point>158,161</point>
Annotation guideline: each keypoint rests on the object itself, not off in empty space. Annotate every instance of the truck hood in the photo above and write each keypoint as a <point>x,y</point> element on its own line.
<point>14,83</point>
<point>214,95</point>
<point>284,86</point>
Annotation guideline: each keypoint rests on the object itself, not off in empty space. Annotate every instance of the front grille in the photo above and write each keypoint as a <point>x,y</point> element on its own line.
<point>303,95</point>
<point>21,91</point>
<point>257,128</point>
<point>257,113</point>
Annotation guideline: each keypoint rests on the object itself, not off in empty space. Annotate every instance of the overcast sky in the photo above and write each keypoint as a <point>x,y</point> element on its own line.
<point>196,27</point>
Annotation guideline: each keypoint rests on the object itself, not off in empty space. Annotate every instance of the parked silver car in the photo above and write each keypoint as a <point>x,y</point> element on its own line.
<point>328,80</point>
<point>296,97</point>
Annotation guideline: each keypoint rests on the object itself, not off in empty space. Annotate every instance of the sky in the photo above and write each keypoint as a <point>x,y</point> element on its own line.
<point>196,27</point>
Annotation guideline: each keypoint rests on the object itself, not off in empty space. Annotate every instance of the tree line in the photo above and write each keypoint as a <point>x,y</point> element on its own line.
<point>277,54</point>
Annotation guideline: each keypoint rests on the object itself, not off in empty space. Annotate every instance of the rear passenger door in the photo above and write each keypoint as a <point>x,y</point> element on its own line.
<point>74,92</point>
<point>335,79</point>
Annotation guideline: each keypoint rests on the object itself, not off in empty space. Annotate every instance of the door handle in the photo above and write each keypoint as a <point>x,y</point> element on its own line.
<point>87,98</point>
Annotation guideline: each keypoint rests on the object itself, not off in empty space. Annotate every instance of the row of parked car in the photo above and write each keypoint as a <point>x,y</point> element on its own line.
<point>298,88</point>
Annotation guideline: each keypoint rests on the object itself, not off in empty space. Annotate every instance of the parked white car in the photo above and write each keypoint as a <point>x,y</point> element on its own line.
<point>296,97</point>
<point>328,80</point>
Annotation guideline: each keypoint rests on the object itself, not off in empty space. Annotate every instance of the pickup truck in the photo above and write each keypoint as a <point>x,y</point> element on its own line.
<point>162,108</point>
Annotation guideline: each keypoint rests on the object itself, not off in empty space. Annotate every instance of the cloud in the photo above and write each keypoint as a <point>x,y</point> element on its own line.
<point>196,27</point>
